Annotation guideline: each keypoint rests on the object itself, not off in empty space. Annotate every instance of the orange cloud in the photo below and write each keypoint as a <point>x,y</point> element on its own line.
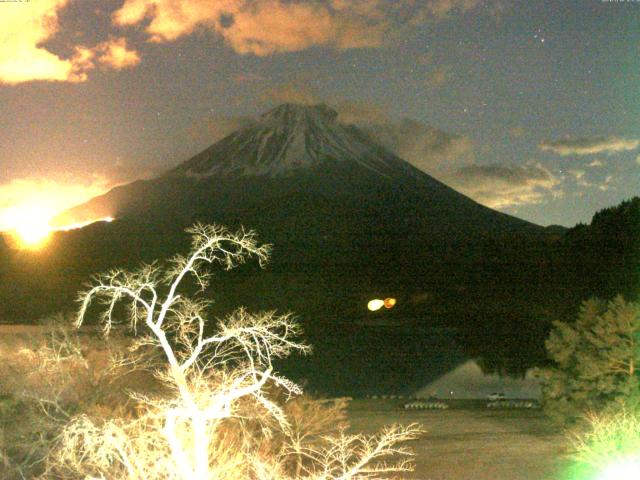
<point>24,27</point>
<point>170,19</point>
<point>115,54</point>
<point>260,28</point>
<point>273,26</point>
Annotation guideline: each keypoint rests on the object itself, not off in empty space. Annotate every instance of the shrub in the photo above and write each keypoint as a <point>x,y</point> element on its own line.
<point>48,378</point>
<point>610,446</point>
<point>595,361</point>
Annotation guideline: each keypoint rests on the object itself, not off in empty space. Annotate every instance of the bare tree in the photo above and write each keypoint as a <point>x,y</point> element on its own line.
<point>218,414</point>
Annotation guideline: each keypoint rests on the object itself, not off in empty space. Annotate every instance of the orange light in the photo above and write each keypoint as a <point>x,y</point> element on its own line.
<point>389,302</point>
<point>33,235</point>
<point>74,226</point>
<point>27,206</point>
<point>28,224</point>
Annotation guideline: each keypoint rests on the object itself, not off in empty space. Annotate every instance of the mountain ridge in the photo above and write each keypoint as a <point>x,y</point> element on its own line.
<point>298,142</point>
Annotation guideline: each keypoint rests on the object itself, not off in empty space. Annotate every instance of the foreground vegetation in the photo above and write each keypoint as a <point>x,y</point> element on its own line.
<point>471,442</point>
<point>593,387</point>
<point>213,408</point>
<point>596,362</point>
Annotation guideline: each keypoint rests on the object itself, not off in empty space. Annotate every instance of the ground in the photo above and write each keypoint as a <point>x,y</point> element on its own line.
<point>465,442</point>
<point>468,442</point>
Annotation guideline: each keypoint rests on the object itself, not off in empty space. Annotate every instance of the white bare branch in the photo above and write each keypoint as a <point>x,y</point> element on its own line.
<point>218,409</point>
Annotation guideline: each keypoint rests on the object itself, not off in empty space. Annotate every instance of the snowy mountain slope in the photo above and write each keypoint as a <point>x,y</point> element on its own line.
<point>343,213</point>
<point>288,138</point>
<point>299,150</point>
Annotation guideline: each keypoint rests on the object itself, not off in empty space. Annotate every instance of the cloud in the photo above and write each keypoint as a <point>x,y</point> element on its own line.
<point>504,185</point>
<point>589,145</point>
<point>297,91</point>
<point>112,54</point>
<point>216,128</point>
<point>606,184</point>
<point>24,27</point>
<point>579,176</point>
<point>115,54</point>
<point>426,147</point>
<point>275,26</point>
<point>517,132</point>
<point>43,198</point>
<point>261,28</point>
<point>442,8</point>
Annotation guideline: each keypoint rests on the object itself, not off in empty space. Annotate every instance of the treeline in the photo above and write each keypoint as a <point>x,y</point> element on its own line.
<point>532,282</point>
<point>605,255</point>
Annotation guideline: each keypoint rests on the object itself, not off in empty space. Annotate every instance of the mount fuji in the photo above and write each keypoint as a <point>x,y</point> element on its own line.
<point>349,221</point>
<point>295,149</point>
<point>347,217</point>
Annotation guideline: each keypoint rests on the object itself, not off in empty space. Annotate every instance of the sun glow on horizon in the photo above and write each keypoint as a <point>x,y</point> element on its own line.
<point>28,207</point>
<point>28,224</point>
<point>33,231</point>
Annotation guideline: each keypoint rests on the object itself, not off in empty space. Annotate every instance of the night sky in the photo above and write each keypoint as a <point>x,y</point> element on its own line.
<point>528,106</point>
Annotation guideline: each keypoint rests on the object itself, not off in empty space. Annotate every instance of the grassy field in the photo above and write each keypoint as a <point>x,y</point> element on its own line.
<point>466,441</point>
<point>472,443</point>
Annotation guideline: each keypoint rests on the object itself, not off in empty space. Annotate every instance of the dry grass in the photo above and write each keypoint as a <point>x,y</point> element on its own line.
<point>472,444</point>
<point>459,444</point>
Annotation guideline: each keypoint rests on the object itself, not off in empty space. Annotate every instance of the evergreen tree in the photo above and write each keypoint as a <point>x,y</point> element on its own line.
<point>596,361</point>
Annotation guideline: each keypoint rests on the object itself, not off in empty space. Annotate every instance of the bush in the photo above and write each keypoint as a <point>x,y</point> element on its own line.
<point>48,377</point>
<point>610,445</point>
<point>595,360</point>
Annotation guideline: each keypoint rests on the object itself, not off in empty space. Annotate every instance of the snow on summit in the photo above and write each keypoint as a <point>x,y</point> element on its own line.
<point>285,139</point>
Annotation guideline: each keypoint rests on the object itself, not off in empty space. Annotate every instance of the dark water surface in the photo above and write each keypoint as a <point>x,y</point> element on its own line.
<point>362,360</point>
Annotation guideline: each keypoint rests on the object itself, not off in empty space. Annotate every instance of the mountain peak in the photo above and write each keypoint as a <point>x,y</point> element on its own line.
<point>286,139</point>
<point>288,113</point>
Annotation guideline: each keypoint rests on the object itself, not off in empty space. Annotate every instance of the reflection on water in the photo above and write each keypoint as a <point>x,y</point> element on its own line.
<point>363,360</point>
<point>400,356</point>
